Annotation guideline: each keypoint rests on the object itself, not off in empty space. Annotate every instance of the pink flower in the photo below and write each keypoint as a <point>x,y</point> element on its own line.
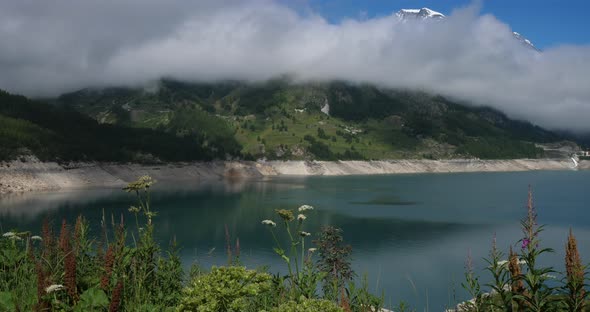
<point>525,243</point>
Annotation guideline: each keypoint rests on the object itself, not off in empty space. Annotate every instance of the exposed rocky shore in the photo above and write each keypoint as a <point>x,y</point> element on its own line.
<point>29,174</point>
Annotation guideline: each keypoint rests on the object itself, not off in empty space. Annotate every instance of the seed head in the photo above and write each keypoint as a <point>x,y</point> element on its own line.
<point>285,214</point>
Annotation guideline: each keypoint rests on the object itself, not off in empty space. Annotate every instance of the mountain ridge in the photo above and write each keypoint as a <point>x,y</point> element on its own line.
<point>280,119</point>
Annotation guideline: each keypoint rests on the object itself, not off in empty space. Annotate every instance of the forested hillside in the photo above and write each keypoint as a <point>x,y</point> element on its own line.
<point>56,133</point>
<point>337,120</point>
<point>176,121</point>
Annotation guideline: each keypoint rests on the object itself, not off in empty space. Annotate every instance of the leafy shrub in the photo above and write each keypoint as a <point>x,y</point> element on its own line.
<point>225,289</point>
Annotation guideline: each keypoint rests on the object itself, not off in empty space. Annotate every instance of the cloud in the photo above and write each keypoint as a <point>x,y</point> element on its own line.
<point>59,46</point>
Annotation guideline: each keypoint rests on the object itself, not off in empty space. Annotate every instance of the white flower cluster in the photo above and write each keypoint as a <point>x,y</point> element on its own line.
<point>304,234</point>
<point>505,262</point>
<point>305,208</point>
<point>269,223</point>
<point>36,238</point>
<point>8,234</point>
<point>53,288</point>
<point>301,217</point>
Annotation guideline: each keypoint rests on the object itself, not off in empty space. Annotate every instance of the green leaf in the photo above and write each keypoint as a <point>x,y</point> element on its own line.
<point>7,302</point>
<point>93,298</point>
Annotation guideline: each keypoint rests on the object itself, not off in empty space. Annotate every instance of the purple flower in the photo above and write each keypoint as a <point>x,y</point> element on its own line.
<point>525,243</point>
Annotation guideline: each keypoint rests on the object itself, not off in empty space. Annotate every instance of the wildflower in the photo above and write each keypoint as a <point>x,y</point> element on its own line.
<point>525,243</point>
<point>304,234</point>
<point>78,231</point>
<point>574,270</point>
<point>109,261</point>
<point>269,223</point>
<point>8,234</point>
<point>70,274</point>
<point>141,184</point>
<point>116,297</point>
<point>529,224</point>
<point>301,217</point>
<point>305,208</point>
<point>53,288</point>
<point>312,249</point>
<point>133,209</point>
<point>36,238</point>
<point>15,238</point>
<point>506,262</point>
<point>64,237</point>
<point>285,214</point>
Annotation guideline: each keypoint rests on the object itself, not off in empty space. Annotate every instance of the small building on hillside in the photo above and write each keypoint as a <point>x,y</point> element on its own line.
<point>583,153</point>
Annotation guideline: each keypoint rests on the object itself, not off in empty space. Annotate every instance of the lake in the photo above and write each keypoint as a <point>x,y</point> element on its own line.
<point>410,233</point>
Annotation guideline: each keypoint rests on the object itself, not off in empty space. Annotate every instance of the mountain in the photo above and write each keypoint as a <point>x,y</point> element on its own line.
<point>423,13</point>
<point>428,14</point>
<point>56,133</point>
<point>280,119</point>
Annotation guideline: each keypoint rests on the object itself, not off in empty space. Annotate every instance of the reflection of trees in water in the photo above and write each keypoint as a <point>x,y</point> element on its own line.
<point>28,206</point>
<point>197,214</point>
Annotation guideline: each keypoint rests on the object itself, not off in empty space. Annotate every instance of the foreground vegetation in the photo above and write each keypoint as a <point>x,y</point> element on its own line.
<point>521,284</point>
<point>125,270</point>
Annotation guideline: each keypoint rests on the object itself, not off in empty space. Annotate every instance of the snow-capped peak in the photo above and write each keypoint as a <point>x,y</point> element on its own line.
<point>419,13</point>
<point>524,40</point>
<point>428,14</point>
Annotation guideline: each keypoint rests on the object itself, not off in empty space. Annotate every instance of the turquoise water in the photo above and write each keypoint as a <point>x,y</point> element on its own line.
<point>410,233</point>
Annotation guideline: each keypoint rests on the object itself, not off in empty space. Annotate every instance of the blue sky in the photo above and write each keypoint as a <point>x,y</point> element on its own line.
<point>546,23</point>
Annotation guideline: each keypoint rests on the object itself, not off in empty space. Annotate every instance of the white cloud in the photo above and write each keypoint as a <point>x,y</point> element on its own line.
<point>59,46</point>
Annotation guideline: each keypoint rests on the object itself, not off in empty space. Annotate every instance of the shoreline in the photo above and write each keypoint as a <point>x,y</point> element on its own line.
<point>34,175</point>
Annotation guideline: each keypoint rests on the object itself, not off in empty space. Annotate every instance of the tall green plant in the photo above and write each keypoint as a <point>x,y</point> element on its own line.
<point>334,260</point>
<point>500,283</point>
<point>473,287</point>
<point>538,294</point>
<point>575,278</point>
<point>302,277</point>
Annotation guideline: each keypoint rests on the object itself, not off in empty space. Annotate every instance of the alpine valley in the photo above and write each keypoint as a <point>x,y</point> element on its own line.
<point>172,120</point>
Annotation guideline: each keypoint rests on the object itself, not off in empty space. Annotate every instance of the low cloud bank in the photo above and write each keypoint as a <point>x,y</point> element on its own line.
<point>63,45</point>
